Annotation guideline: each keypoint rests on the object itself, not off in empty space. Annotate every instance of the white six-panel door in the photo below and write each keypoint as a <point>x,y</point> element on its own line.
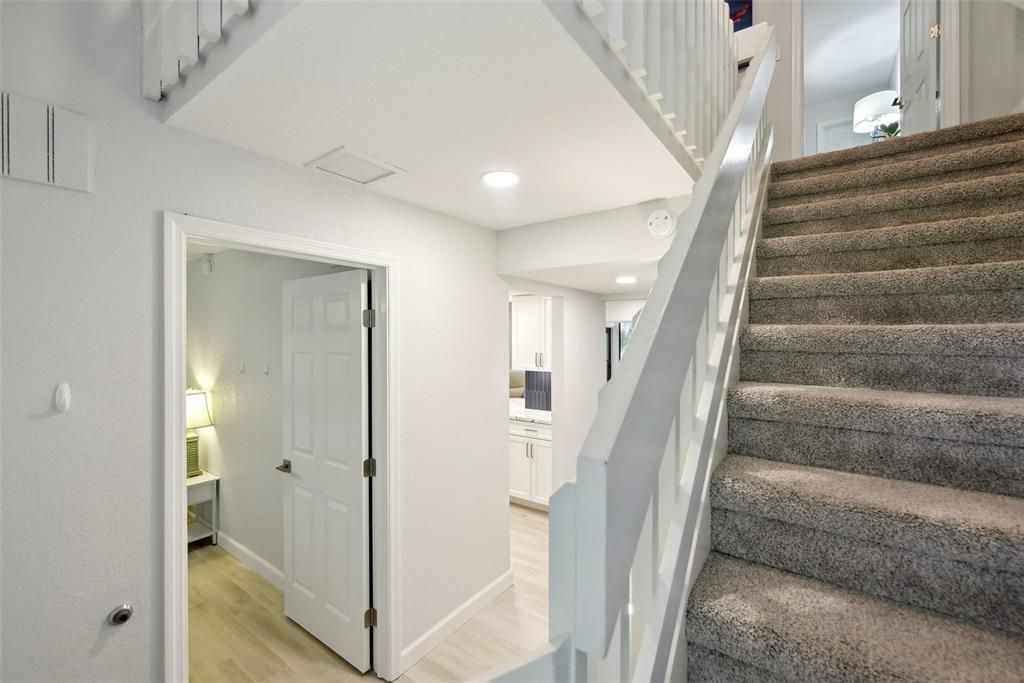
<point>919,63</point>
<point>326,501</point>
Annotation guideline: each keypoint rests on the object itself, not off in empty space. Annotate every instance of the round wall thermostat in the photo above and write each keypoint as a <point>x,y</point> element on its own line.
<point>660,224</point>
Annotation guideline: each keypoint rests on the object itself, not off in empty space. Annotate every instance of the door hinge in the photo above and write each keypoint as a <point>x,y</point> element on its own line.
<point>369,318</point>
<point>935,31</point>
<point>370,467</point>
<point>370,617</point>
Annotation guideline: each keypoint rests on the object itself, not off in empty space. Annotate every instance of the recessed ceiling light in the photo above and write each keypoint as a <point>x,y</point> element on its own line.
<point>626,280</point>
<point>500,178</point>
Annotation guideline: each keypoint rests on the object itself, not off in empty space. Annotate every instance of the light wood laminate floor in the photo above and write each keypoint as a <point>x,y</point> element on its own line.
<point>238,631</point>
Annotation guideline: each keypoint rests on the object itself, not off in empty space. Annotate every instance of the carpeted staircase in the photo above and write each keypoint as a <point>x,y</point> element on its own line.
<point>868,524</point>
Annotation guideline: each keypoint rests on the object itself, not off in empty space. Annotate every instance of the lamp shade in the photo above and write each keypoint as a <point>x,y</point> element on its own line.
<point>875,110</point>
<point>197,410</point>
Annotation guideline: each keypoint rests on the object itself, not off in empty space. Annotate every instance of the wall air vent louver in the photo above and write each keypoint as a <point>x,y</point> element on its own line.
<point>354,166</point>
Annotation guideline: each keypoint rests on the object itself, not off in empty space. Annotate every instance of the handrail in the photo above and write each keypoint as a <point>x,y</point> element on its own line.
<point>624,539</point>
<point>621,457</point>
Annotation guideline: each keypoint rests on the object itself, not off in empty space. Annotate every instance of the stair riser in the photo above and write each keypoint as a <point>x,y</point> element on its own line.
<point>958,175</point>
<point>964,465</point>
<point>896,258</point>
<point>927,214</point>
<point>974,375</point>
<point>708,666</point>
<point>739,645</point>
<point>987,597</point>
<point>896,309</point>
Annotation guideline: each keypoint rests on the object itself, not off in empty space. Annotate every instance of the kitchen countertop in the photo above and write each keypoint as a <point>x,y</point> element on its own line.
<point>518,411</point>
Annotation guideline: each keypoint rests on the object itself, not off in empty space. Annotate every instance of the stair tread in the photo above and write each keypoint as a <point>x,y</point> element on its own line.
<point>973,419</point>
<point>977,131</point>
<point>915,234</point>
<point>974,339</point>
<point>986,187</point>
<point>999,275</point>
<point>981,529</point>
<point>984,156</point>
<point>805,629</point>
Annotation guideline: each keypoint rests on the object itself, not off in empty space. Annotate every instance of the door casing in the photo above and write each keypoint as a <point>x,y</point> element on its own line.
<point>179,230</point>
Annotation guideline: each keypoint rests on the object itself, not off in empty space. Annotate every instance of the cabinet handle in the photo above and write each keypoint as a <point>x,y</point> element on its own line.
<point>541,359</point>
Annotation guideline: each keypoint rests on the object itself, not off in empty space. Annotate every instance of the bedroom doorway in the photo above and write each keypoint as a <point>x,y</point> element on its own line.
<point>294,567</point>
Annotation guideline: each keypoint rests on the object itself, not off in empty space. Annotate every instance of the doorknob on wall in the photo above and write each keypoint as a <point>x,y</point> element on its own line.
<point>285,466</point>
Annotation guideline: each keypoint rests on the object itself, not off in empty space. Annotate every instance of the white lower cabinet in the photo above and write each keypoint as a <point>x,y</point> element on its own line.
<point>529,469</point>
<point>540,458</point>
<point>520,472</point>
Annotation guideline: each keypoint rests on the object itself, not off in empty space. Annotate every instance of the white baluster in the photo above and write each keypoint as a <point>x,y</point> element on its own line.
<point>233,8</point>
<point>169,73</point>
<point>152,49</point>
<point>680,68</point>
<point>692,80</point>
<point>188,33</point>
<point>652,49</point>
<point>209,22</point>
<point>634,29</point>
<point>615,24</point>
<point>667,59</point>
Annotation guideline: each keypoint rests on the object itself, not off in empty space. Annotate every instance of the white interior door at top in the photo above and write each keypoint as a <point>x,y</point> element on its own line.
<point>326,497</point>
<point>919,64</point>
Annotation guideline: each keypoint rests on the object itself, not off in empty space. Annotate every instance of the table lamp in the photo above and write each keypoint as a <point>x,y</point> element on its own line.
<point>197,415</point>
<point>875,110</point>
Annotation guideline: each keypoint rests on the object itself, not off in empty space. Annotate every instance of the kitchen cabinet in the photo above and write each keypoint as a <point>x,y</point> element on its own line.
<point>520,470</point>
<point>529,463</point>
<point>530,329</point>
<point>540,459</point>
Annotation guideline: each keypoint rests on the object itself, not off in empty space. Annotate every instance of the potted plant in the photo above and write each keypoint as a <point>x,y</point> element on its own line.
<point>890,130</point>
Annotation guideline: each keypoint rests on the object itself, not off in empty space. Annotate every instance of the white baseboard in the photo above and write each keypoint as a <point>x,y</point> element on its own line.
<point>251,560</point>
<point>459,616</point>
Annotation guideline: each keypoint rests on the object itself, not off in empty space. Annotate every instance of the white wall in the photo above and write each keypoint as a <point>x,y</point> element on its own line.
<point>622,310</point>
<point>577,369</point>
<point>994,55</point>
<point>830,110</point>
<point>82,291</point>
<point>234,317</point>
<point>602,237</point>
<point>785,97</point>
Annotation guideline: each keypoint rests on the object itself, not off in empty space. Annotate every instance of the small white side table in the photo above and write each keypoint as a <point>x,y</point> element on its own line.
<point>204,488</point>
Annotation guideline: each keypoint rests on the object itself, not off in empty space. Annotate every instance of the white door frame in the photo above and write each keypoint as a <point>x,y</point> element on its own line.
<point>180,229</point>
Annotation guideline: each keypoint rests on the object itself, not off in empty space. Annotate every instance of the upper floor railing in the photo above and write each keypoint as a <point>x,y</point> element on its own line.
<point>176,33</point>
<point>676,64</point>
<point>625,537</point>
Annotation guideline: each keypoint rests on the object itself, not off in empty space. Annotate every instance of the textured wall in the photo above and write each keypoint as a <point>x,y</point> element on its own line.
<point>82,290</point>
<point>234,317</point>
<point>994,54</point>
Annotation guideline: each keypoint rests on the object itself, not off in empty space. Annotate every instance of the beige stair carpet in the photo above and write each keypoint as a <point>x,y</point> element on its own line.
<point>868,524</point>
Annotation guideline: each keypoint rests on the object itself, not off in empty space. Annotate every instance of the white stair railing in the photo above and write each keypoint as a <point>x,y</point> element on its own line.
<point>175,33</point>
<point>625,543</point>
<point>681,59</point>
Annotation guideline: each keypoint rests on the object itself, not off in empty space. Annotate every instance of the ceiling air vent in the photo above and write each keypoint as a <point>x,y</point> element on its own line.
<point>354,166</point>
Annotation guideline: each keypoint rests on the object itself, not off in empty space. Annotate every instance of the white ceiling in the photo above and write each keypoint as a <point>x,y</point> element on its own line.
<point>850,46</point>
<point>599,278</point>
<point>446,91</point>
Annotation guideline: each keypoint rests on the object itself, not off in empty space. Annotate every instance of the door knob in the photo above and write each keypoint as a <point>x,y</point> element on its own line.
<point>285,466</point>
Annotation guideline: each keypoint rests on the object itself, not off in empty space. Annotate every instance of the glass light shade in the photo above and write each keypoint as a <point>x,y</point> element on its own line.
<point>875,110</point>
<point>197,410</point>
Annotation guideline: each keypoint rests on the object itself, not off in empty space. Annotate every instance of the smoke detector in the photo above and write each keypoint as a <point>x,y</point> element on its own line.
<point>354,166</point>
<point>660,224</point>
